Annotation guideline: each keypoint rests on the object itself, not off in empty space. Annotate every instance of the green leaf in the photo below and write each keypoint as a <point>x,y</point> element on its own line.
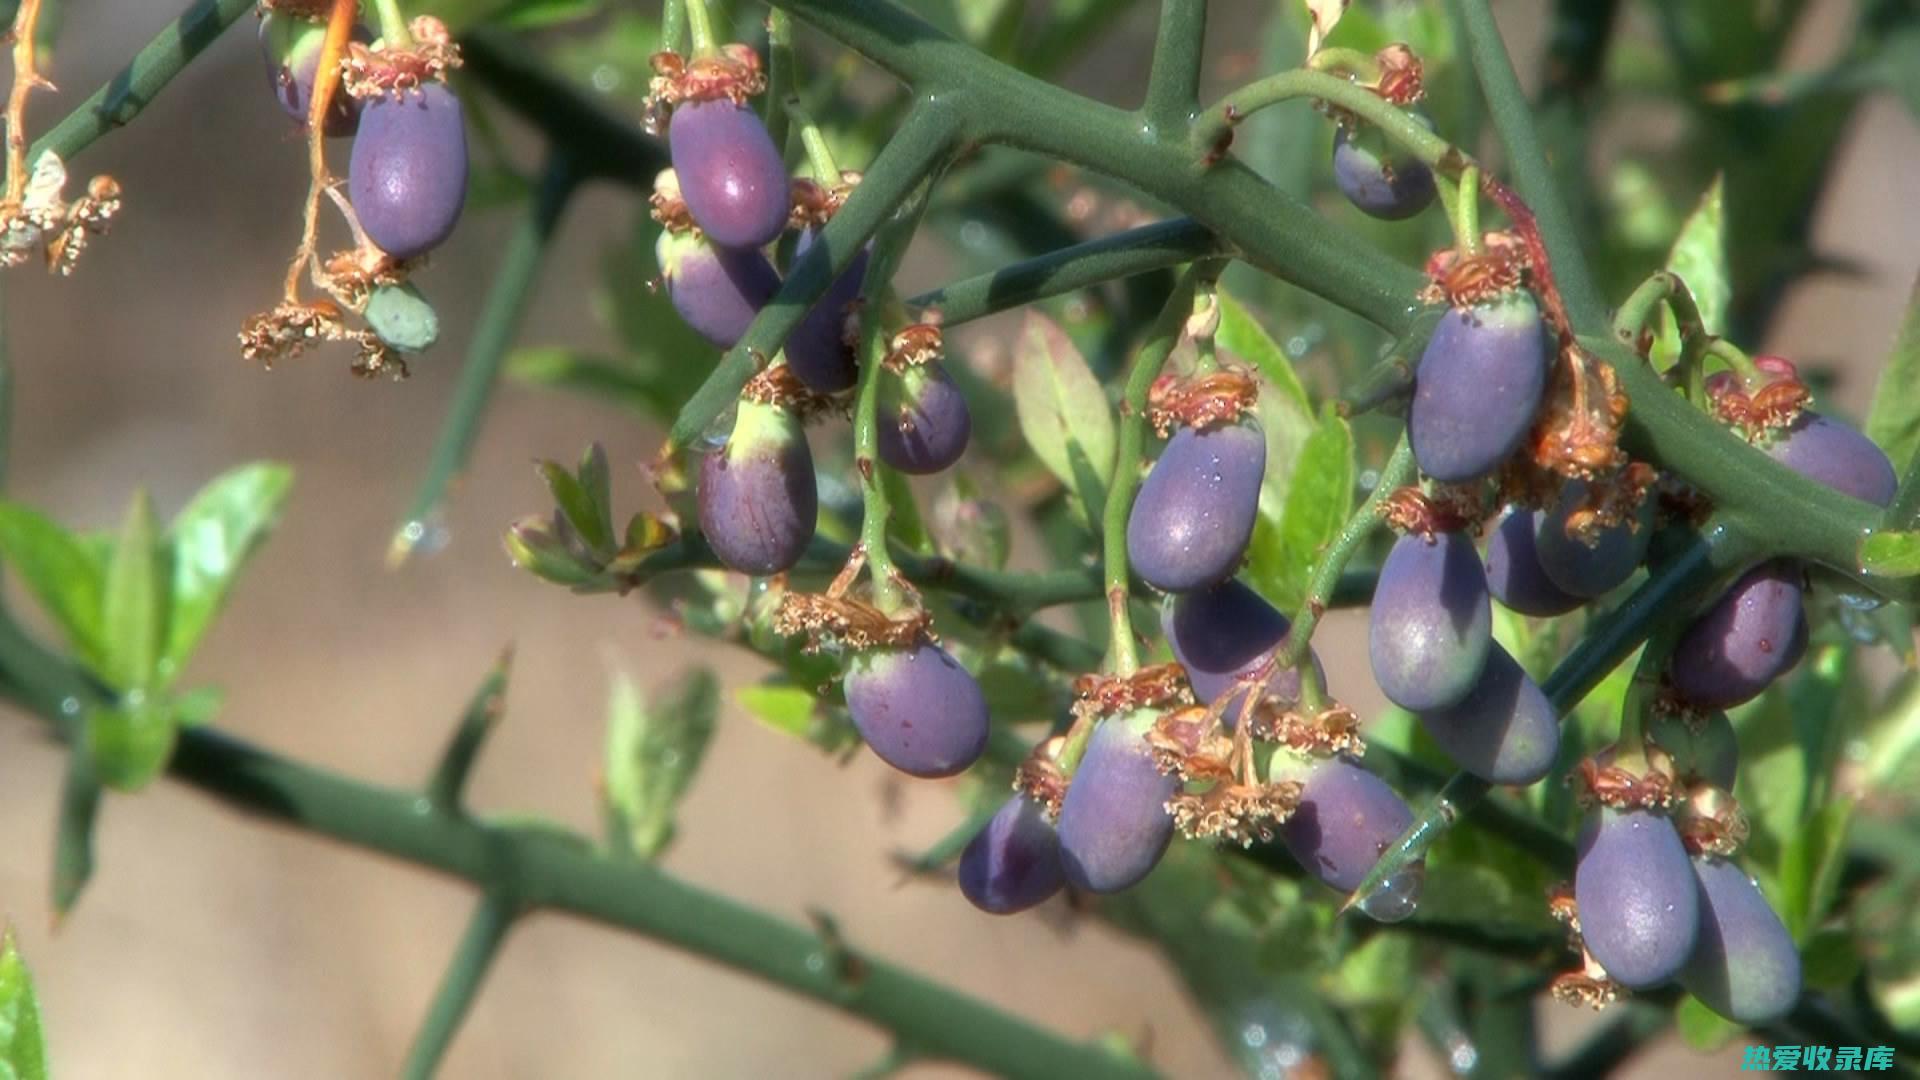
<point>1241,334</point>
<point>1699,257</point>
<point>1063,409</point>
<point>213,538</point>
<point>1701,1027</point>
<point>197,706</point>
<point>1319,498</point>
<point>653,751</point>
<point>23,1048</point>
<point>596,479</point>
<point>130,742</point>
<point>578,507</point>
<point>1809,868</point>
<point>135,607</point>
<point>61,572</point>
<point>968,528</point>
<point>1891,554</point>
<point>904,523</point>
<point>1894,420</point>
<point>793,710</point>
<point>597,377</point>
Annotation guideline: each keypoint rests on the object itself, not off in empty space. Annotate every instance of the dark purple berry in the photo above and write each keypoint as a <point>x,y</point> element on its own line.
<point>731,175</point>
<point>1114,824</point>
<point>1346,819</point>
<point>918,709</point>
<point>1377,176</point>
<point>1590,570</point>
<point>1744,642</point>
<point>1744,966</point>
<point>1431,625</point>
<point>1194,514</point>
<point>923,423</point>
<point>1639,905</point>
<point>1504,731</point>
<point>408,173</point>
<point>758,500</point>
<point>1014,862</point>
<point>1824,449</point>
<point>1221,634</point>
<point>1514,574</point>
<point>716,290</point>
<point>819,349</point>
<point>292,50</point>
<point>1478,386</point>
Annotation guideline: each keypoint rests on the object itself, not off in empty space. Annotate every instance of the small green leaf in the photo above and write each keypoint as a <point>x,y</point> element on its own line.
<point>535,545</point>
<point>1241,334</point>
<point>596,479</point>
<point>578,507</point>
<point>1809,867</point>
<point>653,751</point>
<point>130,742</point>
<point>1319,498</point>
<point>1063,410</point>
<point>1699,257</point>
<point>1890,554</point>
<point>23,1048</point>
<point>792,710</point>
<point>197,706</point>
<point>73,837</point>
<point>63,574</point>
<point>136,601</point>
<point>1701,1027</point>
<point>213,538</point>
<point>1894,420</point>
<point>968,528</point>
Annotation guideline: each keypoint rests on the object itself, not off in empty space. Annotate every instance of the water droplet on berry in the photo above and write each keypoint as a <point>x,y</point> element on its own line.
<point>1398,897</point>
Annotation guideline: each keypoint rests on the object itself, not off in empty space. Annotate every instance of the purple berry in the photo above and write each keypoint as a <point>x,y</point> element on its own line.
<point>1824,449</point>
<point>1114,824</point>
<point>1478,386</point>
<point>924,423</point>
<point>1194,514</point>
<point>1744,966</point>
<point>1514,574</point>
<point>1014,862</point>
<point>408,173</point>
<point>918,709</point>
<point>1221,634</point>
<point>1346,819</point>
<point>818,349</point>
<point>291,48</point>
<point>716,290</point>
<point>1504,731</point>
<point>1377,176</point>
<point>758,501</point>
<point>1744,642</point>
<point>731,175</point>
<point>1431,626</point>
<point>1584,570</point>
<point>1639,905</point>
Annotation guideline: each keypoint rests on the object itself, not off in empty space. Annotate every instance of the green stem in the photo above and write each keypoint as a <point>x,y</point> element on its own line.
<point>916,151</point>
<point>1533,177</point>
<point>137,84</point>
<point>492,917</point>
<point>393,23</point>
<point>1122,658</point>
<point>506,302</point>
<point>1215,126</point>
<point>1640,308</point>
<point>782,68</point>
<point>559,872</point>
<point>1398,470</point>
<point>673,25</point>
<point>700,26</point>
<point>819,154</point>
<point>449,779</point>
<point>1173,82</point>
<point>875,511</point>
<point>1464,210</point>
<point>80,795</point>
<point>1125,254</point>
<point>1346,62</point>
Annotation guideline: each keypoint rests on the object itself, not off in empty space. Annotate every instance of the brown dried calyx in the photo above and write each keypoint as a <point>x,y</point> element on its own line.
<point>1039,777</point>
<point>829,620</point>
<point>1622,783</point>
<point>1577,434</point>
<point>1710,822</point>
<point>1329,731</point>
<point>1755,404</point>
<point>1200,401</point>
<point>814,203</point>
<point>1606,501</point>
<point>44,218</point>
<point>920,343</point>
<point>1153,687</point>
<point>1502,266</point>
<point>1236,812</point>
<point>352,275</point>
<point>384,68</point>
<point>292,328</point>
<point>778,385</point>
<point>1447,508</point>
<point>733,73</point>
<point>1192,744</point>
<point>1590,987</point>
<point>1402,76</point>
<point>669,208</point>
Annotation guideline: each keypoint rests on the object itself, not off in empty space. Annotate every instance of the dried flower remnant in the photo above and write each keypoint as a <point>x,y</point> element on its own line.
<point>384,68</point>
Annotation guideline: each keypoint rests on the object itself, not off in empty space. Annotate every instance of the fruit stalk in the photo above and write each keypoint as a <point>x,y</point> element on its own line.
<point>1214,127</point>
<point>1327,572</point>
<point>1162,336</point>
<point>876,510</point>
<point>819,155</point>
<point>1641,306</point>
<point>393,23</point>
<point>700,26</point>
<point>326,82</point>
<point>26,78</point>
<point>1464,210</point>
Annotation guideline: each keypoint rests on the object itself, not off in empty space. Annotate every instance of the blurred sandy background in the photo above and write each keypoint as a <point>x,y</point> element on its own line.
<point>208,946</point>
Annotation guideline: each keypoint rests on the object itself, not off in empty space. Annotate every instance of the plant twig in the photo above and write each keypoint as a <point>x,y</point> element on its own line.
<point>1326,576</point>
<point>1173,82</point>
<point>486,931</point>
<point>26,79</point>
<point>449,780</point>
